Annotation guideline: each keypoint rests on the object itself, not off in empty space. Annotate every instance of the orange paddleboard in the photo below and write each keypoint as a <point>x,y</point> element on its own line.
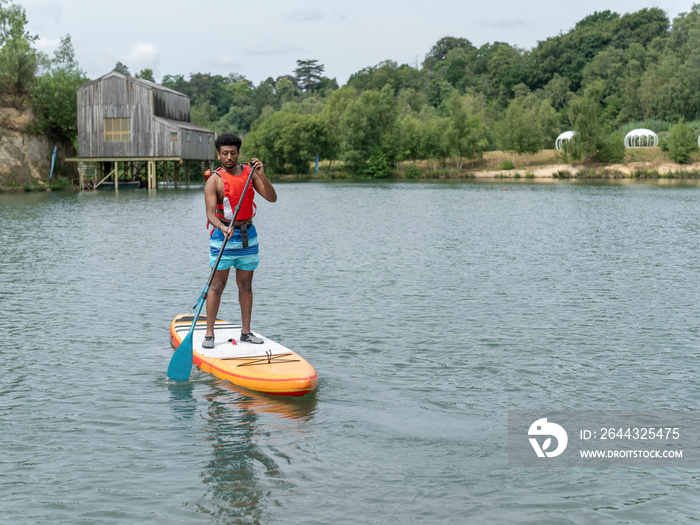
<point>268,367</point>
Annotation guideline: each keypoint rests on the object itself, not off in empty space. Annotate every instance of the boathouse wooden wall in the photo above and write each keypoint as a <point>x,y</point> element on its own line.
<point>159,120</point>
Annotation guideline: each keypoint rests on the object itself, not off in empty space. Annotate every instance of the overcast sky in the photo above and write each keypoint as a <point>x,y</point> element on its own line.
<point>265,38</point>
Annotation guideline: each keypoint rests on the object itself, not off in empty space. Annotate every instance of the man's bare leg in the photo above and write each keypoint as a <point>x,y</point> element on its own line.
<point>217,287</point>
<point>244,280</point>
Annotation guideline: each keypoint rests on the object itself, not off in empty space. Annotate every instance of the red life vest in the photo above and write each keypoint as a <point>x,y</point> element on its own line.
<point>233,188</point>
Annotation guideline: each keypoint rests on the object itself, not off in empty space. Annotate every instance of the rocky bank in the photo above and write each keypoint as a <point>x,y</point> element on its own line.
<point>25,158</point>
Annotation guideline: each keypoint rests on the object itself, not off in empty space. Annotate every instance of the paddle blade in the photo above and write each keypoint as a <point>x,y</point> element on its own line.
<point>181,362</point>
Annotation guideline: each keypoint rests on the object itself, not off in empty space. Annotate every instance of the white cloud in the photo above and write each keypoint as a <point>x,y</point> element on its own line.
<point>142,55</point>
<point>314,14</point>
<point>47,45</point>
<point>504,23</point>
<point>268,47</point>
<point>225,61</point>
<point>310,14</point>
<point>51,11</point>
<point>339,16</point>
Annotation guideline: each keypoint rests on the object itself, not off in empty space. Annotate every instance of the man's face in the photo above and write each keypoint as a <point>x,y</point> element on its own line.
<point>228,155</point>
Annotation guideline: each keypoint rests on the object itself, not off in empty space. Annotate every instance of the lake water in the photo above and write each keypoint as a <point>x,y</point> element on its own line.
<point>429,310</point>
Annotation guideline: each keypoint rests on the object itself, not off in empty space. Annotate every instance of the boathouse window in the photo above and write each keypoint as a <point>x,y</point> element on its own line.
<point>117,129</point>
<point>187,137</point>
<point>200,138</point>
<point>173,135</point>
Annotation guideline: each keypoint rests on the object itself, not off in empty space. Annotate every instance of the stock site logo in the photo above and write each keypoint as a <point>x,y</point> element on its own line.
<point>542,428</point>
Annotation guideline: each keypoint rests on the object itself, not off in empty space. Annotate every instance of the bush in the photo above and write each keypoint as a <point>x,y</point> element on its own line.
<point>681,143</point>
<point>412,171</point>
<point>506,165</point>
<point>61,183</point>
<point>377,166</point>
<point>610,149</point>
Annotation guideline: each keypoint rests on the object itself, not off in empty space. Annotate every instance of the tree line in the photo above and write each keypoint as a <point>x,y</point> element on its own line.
<point>609,74</point>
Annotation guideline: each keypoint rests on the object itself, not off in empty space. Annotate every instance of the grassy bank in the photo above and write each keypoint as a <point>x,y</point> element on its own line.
<point>20,185</point>
<point>641,164</point>
<point>646,163</point>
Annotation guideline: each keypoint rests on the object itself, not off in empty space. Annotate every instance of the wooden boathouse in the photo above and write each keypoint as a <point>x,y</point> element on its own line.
<point>127,125</point>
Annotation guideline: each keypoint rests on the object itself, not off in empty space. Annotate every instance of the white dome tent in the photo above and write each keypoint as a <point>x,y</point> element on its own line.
<point>566,136</point>
<point>641,138</point>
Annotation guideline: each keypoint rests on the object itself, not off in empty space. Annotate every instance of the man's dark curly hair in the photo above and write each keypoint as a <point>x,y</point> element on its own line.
<point>228,139</point>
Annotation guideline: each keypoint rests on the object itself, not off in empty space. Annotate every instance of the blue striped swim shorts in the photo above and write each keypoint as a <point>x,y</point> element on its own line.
<point>235,256</point>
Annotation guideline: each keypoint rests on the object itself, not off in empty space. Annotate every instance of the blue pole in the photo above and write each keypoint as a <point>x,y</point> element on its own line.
<point>316,161</point>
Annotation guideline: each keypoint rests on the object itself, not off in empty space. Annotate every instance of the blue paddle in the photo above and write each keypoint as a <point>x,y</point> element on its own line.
<point>181,362</point>
<point>53,161</point>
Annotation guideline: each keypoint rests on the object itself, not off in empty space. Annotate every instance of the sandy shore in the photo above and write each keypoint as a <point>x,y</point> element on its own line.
<point>553,171</point>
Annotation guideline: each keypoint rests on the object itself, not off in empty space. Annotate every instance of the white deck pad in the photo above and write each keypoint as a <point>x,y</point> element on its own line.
<point>223,347</point>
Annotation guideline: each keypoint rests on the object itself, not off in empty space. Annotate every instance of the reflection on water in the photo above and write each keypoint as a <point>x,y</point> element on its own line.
<point>248,433</point>
<point>182,401</point>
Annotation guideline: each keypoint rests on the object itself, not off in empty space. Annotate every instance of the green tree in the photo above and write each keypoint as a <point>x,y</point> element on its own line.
<point>522,129</point>
<point>558,92</point>
<point>607,70</point>
<point>386,73</point>
<point>332,114</point>
<point>241,92</point>
<point>439,90</point>
<point>18,66</point>
<point>630,91</point>
<point>284,90</point>
<point>263,95</point>
<point>377,166</point>
<point>288,141</point>
<point>146,74</point>
<point>241,111</point>
<point>64,56</point>
<point>583,113</point>
<point>54,94</point>
<point>365,125</point>
<point>682,143</point>
<point>505,70</point>
<point>13,24</point>
<point>467,133</point>
<point>592,141</point>
<point>641,27</point>
<point>669,87</point>
<point>18,61</point>
<point>411,101</point>
<point>204,114</point>
<point>327,85</point>
<point>567,54</point>
<point>205,87</point>
<point>409,140</point>
<point>454,69</point>
<point>239,119</point>
<point>176,82</point>
<point>442,47</point>
<point>121,68</point>
<point>549,122</point>
<point>435,142</point>
<point>309,74</point>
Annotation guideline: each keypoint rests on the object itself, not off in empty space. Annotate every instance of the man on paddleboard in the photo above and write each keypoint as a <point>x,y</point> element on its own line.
<point>222,193</point>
